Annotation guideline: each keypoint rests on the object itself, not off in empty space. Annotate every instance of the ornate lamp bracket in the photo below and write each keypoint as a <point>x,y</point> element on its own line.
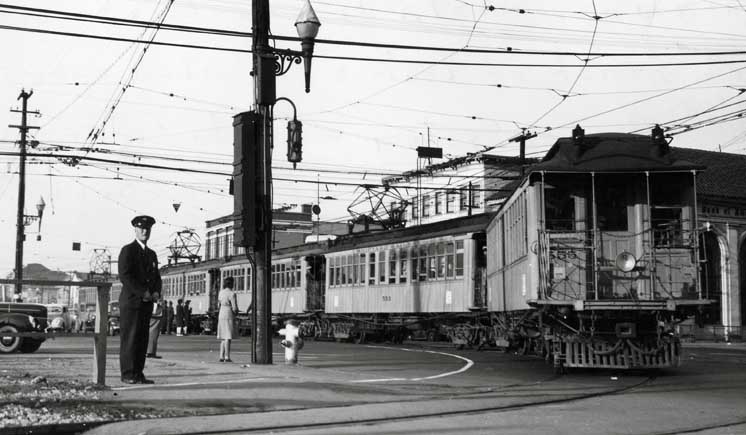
<point>284,59</point>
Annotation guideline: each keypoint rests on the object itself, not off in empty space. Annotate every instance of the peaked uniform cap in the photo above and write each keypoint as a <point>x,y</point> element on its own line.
<point>143,221</point>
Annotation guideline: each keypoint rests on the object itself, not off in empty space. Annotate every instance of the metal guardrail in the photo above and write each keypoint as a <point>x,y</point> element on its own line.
<point>102,320</point>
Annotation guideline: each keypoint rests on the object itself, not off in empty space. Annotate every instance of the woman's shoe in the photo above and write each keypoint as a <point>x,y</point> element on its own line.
<point>221,360</point>
<point>228,360</point>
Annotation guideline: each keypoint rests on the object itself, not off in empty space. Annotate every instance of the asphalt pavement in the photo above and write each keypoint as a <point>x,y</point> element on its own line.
<point>285,397</point>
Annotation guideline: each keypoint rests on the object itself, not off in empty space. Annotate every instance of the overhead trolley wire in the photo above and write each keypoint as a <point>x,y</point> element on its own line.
<point>381,59</point>
<point>50,13</point>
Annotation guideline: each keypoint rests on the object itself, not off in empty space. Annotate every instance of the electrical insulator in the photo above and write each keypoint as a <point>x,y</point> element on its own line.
<point>295,142</point>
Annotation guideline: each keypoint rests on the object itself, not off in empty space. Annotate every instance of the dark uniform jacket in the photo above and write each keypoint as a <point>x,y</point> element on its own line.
<point>138,272</point>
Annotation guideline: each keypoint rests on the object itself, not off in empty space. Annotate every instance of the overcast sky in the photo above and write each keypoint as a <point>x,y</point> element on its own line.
<point>364,116</point>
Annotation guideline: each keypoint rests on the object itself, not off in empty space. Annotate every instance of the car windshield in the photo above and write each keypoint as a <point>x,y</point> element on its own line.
<point>54,310</point>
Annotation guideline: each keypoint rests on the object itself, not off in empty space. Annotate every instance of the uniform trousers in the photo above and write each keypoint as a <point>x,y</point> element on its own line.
<point>134,325</point>
<point>155,331</point>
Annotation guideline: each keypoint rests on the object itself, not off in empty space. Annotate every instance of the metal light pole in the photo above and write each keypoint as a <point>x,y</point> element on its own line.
<point>267,64</point>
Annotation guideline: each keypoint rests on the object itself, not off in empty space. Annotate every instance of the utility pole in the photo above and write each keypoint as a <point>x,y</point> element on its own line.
<point>524,136</point>
<point>253,144</point>
<point>264,93</point>
<point>20,222</point>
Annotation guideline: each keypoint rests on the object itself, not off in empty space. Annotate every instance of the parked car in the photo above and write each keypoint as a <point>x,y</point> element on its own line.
<point>113,317</point>
<point>19,318</point>
<point>88,321</point>
<point>58,318</point>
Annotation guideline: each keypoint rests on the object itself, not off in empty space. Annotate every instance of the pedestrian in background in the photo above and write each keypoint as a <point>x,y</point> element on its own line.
<point>226,318</point>
<point>141,284</point>
<point>187,317</point>
<point>155,330</point>
<point>179,317</point>
<point>163,324</point>
<point>170,318</point>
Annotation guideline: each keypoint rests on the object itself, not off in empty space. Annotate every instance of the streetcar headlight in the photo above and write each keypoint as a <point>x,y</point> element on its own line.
<point>625,262</point>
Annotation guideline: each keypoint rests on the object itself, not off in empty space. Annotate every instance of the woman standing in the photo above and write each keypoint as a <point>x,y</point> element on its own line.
<point>226,316</point>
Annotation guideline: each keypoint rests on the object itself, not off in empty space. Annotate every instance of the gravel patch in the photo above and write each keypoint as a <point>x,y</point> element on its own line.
<point>27,400</point>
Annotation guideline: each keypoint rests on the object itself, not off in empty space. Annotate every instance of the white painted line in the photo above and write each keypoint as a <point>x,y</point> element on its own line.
<point>187,384</point>
<point>466,367</point>
<point>379,380</point>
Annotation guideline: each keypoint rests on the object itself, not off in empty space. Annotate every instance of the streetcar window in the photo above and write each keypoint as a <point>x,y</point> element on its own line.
<point>450,260</point>
<point>423,263</point>
<point>559,208</point>
<point>459,258</point>
<point>372,268</point>
<point>414,267</point>
<point>666,213</point>
<point>438,201</point>
<point>337,271</point>
<point>355,268</point>
<point>349,269</point>
<point>425,205</point>
<point>392,266</point>
<point>382,267</point>
<point>611,203</point>
<point>331,272</point>
<point>415,210</point>
<point>343,270</point>
<point>361,275</point>
<point>290,274</point>
<point>432,261</point>
<point>403,265</point>
<point>441,260</point>
<point>464,198</point>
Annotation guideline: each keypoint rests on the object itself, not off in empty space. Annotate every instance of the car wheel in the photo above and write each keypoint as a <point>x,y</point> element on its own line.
<point>30,346</point>
<point>9,344</point>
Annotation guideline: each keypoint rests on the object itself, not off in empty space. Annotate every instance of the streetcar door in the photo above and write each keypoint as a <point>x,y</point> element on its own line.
<point>480,270</point>
<point>315,282</point>
<point>213,287</point>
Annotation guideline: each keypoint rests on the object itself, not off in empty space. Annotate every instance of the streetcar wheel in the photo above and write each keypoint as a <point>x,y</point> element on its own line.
<point>9,344</point>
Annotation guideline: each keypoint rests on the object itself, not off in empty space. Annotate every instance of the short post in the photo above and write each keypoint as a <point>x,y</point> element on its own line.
<point>102,330</point>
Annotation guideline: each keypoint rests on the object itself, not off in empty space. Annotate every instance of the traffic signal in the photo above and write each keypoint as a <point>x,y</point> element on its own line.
<point>246,201</point>
<point>295,142</point>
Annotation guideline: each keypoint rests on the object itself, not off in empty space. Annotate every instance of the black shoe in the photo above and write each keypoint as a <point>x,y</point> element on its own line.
<point>152,355</point>
<point>143,380</point>
<point>129,380</point>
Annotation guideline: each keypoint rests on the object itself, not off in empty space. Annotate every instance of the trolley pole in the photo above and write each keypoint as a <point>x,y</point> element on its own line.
<point>20,224</point>
<point>264,97</point>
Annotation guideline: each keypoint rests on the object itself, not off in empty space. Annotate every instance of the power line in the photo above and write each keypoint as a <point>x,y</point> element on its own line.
<point>95,133</point>
<point>58,14</point>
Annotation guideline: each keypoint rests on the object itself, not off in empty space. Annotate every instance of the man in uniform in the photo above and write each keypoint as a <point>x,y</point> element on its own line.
<point>141,285</point>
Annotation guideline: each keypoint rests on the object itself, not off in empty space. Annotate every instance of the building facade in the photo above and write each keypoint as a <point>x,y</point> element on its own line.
<point>459,187</point>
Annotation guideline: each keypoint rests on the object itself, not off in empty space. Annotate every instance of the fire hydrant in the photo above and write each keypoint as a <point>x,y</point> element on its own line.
<point>292,342</point>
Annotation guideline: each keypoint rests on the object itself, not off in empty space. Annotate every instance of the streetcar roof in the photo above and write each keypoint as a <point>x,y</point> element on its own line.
<point>611,152</point>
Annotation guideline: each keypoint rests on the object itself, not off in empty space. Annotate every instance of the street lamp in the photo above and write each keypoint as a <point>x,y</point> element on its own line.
<point>307,26</point>
<point>27,219</point>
